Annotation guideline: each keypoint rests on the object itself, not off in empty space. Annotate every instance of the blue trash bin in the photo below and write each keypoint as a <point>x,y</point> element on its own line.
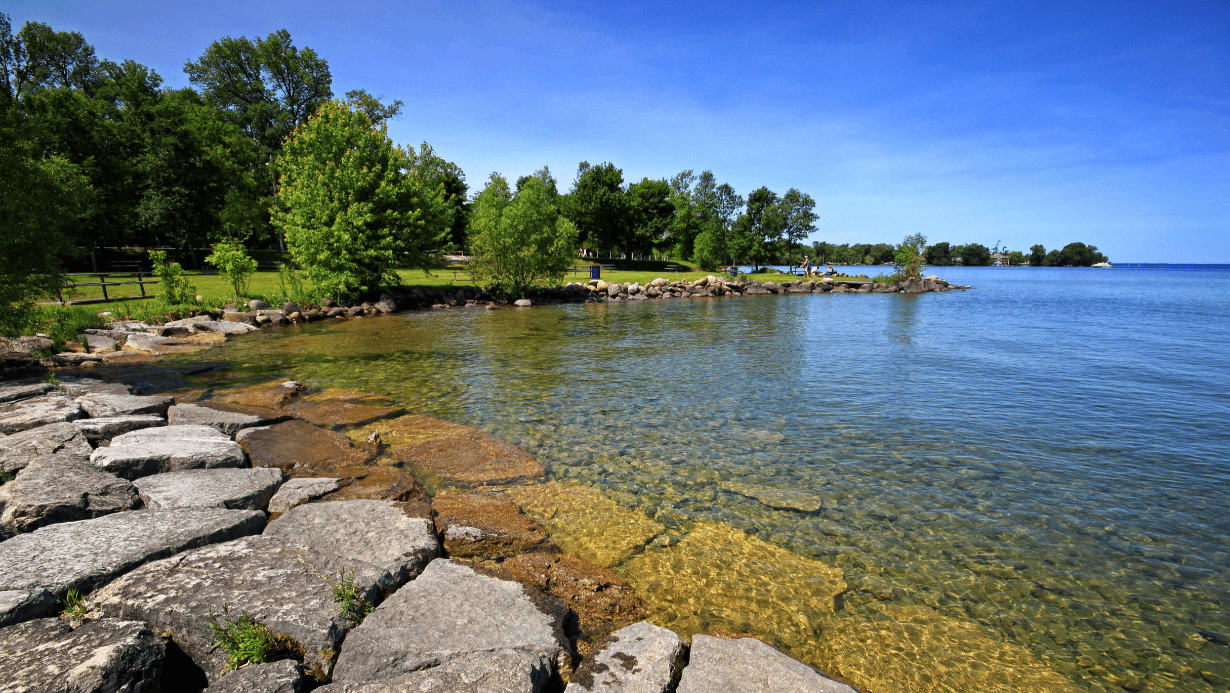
<point>595,272</point>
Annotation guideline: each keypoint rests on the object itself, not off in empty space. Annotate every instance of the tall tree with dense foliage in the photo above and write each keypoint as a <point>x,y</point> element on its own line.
<point>939,254</point>
<point>763,223</point>
<point>1037,255</point>
<point>598,206</point>
<point>799,211</point>
<point>351,204</point>
<point>650,213</point>
<point>434,171</point>
<point>522,240</point>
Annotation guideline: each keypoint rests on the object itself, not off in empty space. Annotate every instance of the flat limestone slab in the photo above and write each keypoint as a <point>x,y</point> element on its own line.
<point>285,676</point>
<point>61,488</point>
<point>300,445</point>
<point>79,387</point>
<point>19,449</point>
<point>236,489</point>
<point>458,453</point>
<point>372,531</point>
<point>101,656</point>
<point>501,671</point>
<point>747,665</point>
<point>32,412</point>
<point>449,613</point>
<point>228,422</point>
<point>294,492</point>
<point>284,586</point>
<point>224,327</point>
<point>14,393</point>
<point>102,430</point>
<point>641,658</point>
<point>38,569</point>
<point>99,404</point>
<point>168,449</point>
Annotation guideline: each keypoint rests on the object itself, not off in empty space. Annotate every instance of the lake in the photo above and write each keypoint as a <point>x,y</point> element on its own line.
<point>1023,486</point>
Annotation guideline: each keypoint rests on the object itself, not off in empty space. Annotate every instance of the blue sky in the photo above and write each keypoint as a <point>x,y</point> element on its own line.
<point>1020,123</point>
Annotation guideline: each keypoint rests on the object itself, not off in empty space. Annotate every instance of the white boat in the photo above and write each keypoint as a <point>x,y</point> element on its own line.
<point>1101,264</point>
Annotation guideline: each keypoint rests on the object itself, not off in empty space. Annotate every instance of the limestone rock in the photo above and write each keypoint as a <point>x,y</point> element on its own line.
<point>522,303</point>
<point>24,414</point>
<point>448,613</point>
<point>300,444</point>
<point>168,449</point>
<point>290,307</point>
<point>236,489</point>
<point>756,291</point>
<point>228,422</point>
<point>295,492</point>
<point>19,449</point>
<point>499,671</point>
<point>371,531</point>
<point>38,569</point>
<point>747,665</point>
<point>61,488</point>
<point>477,525</point>
<point>31,344</point>
<point>286,587</point>
<point>913,285</point>
<point>102,430</point>
<point>284,676</point>
<point>106,656</point>
<point>98,405</point>
<point>339,412</point>
<point>239,317</point>
<point>225,327</point>
<point>471,456</point>
<point>79,387</point>
<point>257,304</point>
<point>70,358</point>
<point>641,658</point>
<point>13,393</point>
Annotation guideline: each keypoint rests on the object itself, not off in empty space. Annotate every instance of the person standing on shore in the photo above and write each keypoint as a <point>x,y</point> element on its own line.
<point>806,267</point>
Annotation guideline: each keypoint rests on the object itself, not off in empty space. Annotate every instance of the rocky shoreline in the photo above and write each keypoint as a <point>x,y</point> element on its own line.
<point>134,526</point>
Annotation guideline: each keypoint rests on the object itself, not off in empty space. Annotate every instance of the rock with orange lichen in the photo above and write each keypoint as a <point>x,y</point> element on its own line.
<point>271,395</point>
<point>458,453</point>
<point>476,525</point>
<point>342,408</point>
<point>586,523</point>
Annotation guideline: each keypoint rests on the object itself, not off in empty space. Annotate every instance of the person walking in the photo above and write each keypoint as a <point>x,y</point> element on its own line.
<point>806,267</point>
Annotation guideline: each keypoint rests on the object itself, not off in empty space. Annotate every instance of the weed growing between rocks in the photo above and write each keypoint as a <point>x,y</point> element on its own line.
<point>248,641</point>
<point>6,476</point>
<point>73,604</point>
<point>346,593</point>
<point>51,379</point>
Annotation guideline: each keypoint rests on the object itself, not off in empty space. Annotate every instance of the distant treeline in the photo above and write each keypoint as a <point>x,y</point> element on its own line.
<point>970,254</point>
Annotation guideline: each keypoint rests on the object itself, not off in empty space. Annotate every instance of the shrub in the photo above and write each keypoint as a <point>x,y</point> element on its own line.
<point>518,241</point>
<point>292,283</point>
<point>234,263</point>
<point>173,286</point>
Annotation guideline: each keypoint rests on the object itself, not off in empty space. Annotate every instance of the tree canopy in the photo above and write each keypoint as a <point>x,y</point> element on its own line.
<point>520,240</point>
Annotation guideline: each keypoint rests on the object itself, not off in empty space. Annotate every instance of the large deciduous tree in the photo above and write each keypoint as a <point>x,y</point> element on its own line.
<point>352,205</point>
<point>799,211</point>
<point>598,206</point>
<point>518,241</point>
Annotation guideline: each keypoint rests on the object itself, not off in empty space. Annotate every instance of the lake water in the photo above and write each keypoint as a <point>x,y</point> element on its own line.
<point>1023,486</point>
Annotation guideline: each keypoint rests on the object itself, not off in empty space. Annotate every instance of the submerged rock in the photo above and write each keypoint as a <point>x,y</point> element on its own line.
<point>19,450</point>
<point>330,412</point>
<point>459,453</point>
<point>106,656</point>
<point>285,676</point>
<point>641,658</point>
<point>61,488</point>
<point>168,449</point>
<point>586,523</point>
<point>295,492</point>
<point>32,412</point>
<point>450,613</point>
<point>475,525</point>
<point>300,445</point>
<point>236,489</point>
<point>747,665</point>
<point>38,569</point>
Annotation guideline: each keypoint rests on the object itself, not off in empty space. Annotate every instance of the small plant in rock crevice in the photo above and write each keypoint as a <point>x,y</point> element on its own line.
<point>345,592</point>
<point>51,379</point>
<point>74,604</point>
<point>248,641</point>
<point>6,476</point>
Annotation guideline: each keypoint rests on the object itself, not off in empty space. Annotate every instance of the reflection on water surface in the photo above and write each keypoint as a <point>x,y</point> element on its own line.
<point>1020,488</point>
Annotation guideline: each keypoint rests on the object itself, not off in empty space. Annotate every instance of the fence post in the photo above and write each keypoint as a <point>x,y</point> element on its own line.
<point>102,280</point>
<point>140,282</point>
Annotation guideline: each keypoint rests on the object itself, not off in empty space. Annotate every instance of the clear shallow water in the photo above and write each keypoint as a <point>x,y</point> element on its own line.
<point>1023,486</point>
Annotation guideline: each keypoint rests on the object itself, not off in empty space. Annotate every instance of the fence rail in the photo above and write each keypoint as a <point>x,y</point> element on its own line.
<point>102,282</point>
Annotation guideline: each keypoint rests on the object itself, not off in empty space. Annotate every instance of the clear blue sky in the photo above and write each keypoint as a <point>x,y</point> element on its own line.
<point>1107,123</point>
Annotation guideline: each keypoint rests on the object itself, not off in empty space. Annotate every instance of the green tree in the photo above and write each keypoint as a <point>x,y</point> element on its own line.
<point>1037,255</point>
<point>799,211</point>
<point>650,214</point>
<point>975,255</point>
<point>1052,259</point>
<point>451,217</point>
<point>939,255</point>
<point>909,256</point>
<point>1016,257</point>
<point>519,241</point>
<point>598,206</point>
<point>376,111</point>
<point>1080,255</point>
<point>351,205</point>
<point>233,261</point>
<point>762,224</point>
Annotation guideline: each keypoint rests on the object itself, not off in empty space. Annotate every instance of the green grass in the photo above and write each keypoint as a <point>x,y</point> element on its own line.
<point>247,641</point>
<point>74,604</point>
<point>346,592</point>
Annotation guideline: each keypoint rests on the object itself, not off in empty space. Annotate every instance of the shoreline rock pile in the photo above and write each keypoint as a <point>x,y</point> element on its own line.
<point>127,547</point>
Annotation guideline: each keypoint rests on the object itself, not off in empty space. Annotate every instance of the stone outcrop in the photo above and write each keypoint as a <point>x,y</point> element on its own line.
<point>61,488</point>
<point>32,412</point>
<point>339,412</point>
<point>19,450</point>
<point>451,613</point>
<point>15,393</point>
<point>368,531</point>
<point>284,676</point>
<point>38,569</point>
<point>228,422</point>
<point>295,492</point>
<point>168,449</point>
<point>100,431</point>
<point>300,445</point>
<point>498,671</point>
<point>99,344</point>
<point>228,328</point>
<point>235,489</point>
<point>106,656</point>
<point>286,587</point>
<point>79,387</point>
<point>98,405</point>
<point>475,525</point>
<point>747,665</point>
<point>641,658</point>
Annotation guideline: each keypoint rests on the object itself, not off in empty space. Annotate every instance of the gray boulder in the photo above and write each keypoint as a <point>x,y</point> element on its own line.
<point>39,568</point>
<point>168,449</point>
<point>747,665</point>
<point>225,327</point>
<point>228,422</point>
<point>24,414</point>
<point>97,405</point>
<point>452,613</point>
<point>20,449</point>
<point>284,676</point>
<point>72,358</point>
<point>294,492</point>
<point>13,393</point>
<point>290,307</point>
<point>913,285</point>
<point>79,387</point>
<point>100,431</point>
<point>756,290</point>
<point>239,317</point>
<point>61,488</point>
<point>236,489</point>
<point>287,588</point>
<point>106,656</point>
<point>372,531</point>
<point>499,671</point>
<point>30,344</point>
<point>641,658</point>
<point>257,304</point>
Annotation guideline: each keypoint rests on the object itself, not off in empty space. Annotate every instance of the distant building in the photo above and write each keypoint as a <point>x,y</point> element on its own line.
<point>1000,259</point>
